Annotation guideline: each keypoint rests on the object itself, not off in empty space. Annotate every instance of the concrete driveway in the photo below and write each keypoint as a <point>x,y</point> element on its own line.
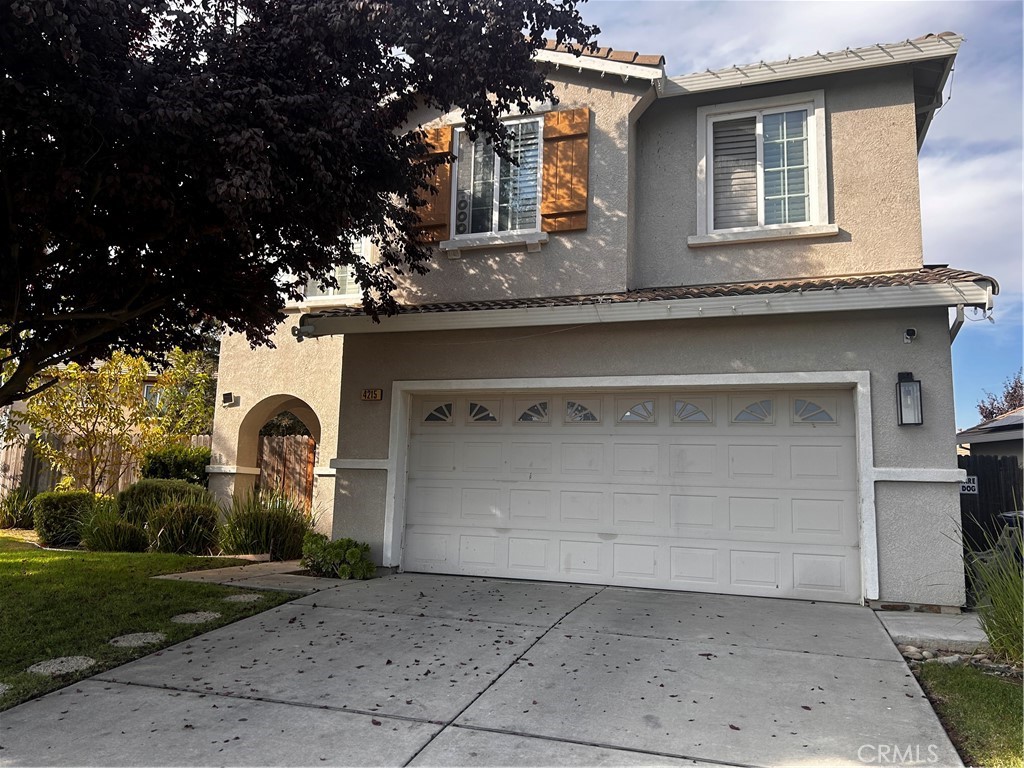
<point>429,670</point>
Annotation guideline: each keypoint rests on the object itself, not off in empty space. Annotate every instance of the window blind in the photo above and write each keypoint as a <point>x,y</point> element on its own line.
<point>734,158</point>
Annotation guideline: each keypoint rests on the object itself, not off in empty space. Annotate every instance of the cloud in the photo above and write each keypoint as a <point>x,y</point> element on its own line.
<point>971,214</point>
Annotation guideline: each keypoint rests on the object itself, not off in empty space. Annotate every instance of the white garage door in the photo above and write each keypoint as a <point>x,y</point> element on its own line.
<point>736,492</point>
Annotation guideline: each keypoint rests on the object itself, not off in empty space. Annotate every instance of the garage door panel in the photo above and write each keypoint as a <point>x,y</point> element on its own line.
<point>640,498</point>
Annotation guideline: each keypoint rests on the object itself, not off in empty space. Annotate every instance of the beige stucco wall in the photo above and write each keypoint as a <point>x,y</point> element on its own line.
<point>266,382</point>
<point>851,341</point>
<point>872,188</point>
<point>590,261</point>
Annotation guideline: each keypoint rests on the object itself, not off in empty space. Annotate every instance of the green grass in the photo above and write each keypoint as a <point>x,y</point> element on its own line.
<point>72,603</point>
<point>981,713</point>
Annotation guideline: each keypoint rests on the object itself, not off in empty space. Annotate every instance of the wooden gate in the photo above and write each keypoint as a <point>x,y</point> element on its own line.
<point>1000,489</point>
<point>286,463</point>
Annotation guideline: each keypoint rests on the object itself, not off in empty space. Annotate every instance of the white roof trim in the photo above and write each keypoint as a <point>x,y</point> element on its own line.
<point>842,300</point>
<point>880,55</point>
<point>604,66</point>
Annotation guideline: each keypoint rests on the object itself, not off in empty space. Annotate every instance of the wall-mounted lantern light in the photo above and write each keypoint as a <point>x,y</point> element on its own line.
<point>908,400</point>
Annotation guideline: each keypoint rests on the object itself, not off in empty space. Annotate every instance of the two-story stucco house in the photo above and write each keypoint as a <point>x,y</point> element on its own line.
<point>664,350</point>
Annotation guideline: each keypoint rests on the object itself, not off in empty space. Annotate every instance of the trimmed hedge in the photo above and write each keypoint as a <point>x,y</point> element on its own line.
<point>186,527</point>
<point>59,515</point>
<point>138,500</point>
<point>338,559</point>
<point>177,462</point>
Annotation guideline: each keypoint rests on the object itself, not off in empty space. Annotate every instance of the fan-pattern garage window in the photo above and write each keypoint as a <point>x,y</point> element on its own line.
<point>757,412</point>
<point>810,412</point>
<point>442,414</point>
<point>580,413</point>
<point>637,413</point>
<point>535,413</point>
<point>484,412</point>
<point>693,412</point>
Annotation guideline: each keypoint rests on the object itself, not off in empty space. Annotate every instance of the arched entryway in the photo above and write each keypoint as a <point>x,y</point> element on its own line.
<point>286,457</point>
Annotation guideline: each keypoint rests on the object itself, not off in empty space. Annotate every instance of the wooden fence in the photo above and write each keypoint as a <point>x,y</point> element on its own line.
<point>1000,489</point>
<point>21,467</point>
<point>286,463</point>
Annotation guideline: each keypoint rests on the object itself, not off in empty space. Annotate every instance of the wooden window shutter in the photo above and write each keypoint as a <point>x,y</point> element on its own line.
<point>435,225</point>
<point>566,170</point>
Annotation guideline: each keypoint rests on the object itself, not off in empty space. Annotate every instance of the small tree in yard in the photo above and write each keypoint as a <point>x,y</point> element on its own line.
<point>167,167</point>
<point>184,394</point>
<point>93,424</point>
<point>1012,396</point>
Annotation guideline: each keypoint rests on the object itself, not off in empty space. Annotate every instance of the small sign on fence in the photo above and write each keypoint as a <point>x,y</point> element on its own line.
<point>969,485</point>
<point>373,395</point>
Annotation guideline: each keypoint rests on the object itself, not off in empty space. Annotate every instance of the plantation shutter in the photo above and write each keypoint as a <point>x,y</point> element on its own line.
<point>434,225</point>
<point>566,170</point>
<point>734,157</point>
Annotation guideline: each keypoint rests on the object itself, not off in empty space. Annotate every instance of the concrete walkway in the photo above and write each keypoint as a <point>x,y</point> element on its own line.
<point>429,670</point>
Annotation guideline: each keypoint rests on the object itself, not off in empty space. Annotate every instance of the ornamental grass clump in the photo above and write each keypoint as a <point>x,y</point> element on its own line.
<point>266,521</point>
<point>997,577</point>
<point>186,527</point>
<point>16,508</point>
<point>338,559</point>
<point>107,531</point>
<point>58,516</point>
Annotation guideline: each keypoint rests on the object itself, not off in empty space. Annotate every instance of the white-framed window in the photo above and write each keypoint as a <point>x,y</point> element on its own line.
<point>491,195</point>
<point>348,288</point>
<point>762,170</point>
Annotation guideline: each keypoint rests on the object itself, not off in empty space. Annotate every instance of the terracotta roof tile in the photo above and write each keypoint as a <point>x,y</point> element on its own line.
<point>924,276</point>
<point>628,57</point>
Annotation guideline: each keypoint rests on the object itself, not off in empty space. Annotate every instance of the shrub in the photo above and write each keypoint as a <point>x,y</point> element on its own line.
<point>187,527</point>
<point>177,462</point>
<point>997,577</point>
<point>340,559</point>
<point>138,500</point>
<point>106,531</point>
<point>16,508</point>
<point>265,522</point>
<point>58,516</point>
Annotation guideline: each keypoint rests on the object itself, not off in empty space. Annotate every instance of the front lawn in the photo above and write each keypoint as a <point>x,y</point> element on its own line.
<point>981,713</point>
<point>55,603</point>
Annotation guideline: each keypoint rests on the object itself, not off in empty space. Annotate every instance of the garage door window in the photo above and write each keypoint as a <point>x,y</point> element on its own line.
<point>485,412</point>
<point>695,411</point>
<point>756,412</point>
<point>438,413</point>
<point>582,411</point>
<point>532,411</point>
<point>633,412</point>
<point>814,412</point>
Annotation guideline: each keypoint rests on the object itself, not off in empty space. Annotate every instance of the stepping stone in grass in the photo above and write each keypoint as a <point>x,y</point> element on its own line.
<point>199,617</point>
<point>4,688</point>
<point>250,598</point>
<point>61,666</point>
<point>138,639</point>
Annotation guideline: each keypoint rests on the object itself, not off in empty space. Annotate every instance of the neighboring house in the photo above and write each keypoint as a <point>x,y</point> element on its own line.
<point>1001,436</point>
<point>661,351</point>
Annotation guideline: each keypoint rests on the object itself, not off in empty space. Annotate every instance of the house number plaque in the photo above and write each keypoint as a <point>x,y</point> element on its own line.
<point>373,395</point>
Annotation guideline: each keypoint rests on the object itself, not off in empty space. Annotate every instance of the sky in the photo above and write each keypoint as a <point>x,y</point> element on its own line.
<point>970,165</point>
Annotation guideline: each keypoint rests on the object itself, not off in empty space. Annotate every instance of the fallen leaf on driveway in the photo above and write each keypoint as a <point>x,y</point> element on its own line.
<point>375,722</point>
<point>734,727</point>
